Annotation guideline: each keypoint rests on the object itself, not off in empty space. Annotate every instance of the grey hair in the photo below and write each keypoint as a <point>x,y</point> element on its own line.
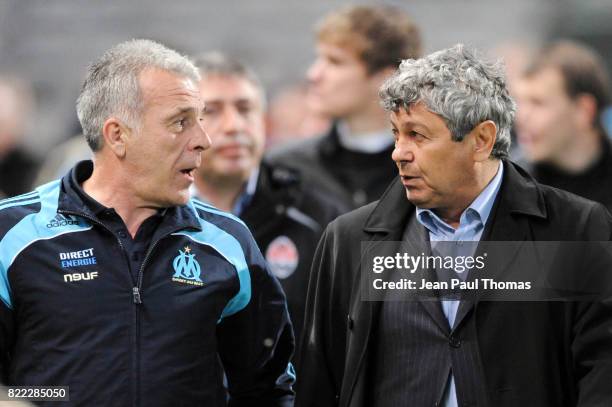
<point>111,87</point>
<point>458,85</point>
<point>217,63</point>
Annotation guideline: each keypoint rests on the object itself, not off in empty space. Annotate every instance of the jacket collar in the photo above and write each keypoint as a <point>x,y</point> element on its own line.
<point>330,144</point>
<point>519,194</point>
<point>73,199</point>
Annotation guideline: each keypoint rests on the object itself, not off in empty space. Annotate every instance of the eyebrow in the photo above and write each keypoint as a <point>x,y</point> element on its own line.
<point>423,126</point>
<point>413,125</point>
<point>183,110</point>
<point>237,100</point>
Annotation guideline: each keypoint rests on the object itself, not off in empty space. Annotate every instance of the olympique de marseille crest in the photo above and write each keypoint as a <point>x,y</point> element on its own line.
<point>186,268</point>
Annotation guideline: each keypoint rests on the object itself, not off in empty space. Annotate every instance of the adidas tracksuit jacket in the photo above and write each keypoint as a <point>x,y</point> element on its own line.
<point>72,315</point>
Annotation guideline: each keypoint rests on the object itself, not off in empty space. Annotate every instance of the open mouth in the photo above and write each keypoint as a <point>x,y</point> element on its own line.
<point>188,172</point>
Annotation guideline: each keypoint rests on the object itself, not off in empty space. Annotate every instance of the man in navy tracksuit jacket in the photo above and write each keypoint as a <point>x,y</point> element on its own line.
<point>131,298</point>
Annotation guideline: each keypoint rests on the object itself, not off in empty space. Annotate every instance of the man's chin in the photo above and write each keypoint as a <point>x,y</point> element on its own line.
<point>538,158</point>
<point>320,108</point>
<point>227,175</point>
<point>238,172</point>
<point>417,199</point>
<point>532,154</point>
<point>180,198</point>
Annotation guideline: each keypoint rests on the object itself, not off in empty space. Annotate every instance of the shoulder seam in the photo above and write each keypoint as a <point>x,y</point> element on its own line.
<point>201,202</point>
<point>28,195</point>
<point>215,211</point>
<point>26,201</point>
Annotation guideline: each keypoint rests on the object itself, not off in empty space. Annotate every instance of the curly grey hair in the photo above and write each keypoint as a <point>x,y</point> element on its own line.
<point>111,87</point>
<point>458,85</point>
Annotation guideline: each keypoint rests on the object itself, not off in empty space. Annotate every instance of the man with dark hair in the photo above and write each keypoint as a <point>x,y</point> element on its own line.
<point>116,284</point>
<point>358,47</point>
<point>561,97</point>
<point>285,215</point>
<point>451,115</point>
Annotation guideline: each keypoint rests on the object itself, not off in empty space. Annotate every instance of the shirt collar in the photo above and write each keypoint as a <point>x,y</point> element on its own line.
<point>478,211</point>
<point>247,195</point>
<point>81,173</point>
<point>370,143</point>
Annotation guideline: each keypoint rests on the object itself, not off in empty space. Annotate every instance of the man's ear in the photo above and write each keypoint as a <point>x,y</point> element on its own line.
<point>484,136</point>
<point>115,134</point>
<point>586,111</point>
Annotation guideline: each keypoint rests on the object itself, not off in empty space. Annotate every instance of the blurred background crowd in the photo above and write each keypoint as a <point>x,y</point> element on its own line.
<point>46,46</point>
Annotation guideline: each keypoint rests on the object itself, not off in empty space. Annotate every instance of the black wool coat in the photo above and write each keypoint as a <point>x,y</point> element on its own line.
<point>540,354</point>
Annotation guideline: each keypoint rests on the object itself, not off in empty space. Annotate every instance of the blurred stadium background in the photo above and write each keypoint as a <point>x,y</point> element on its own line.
<point>50,42</point>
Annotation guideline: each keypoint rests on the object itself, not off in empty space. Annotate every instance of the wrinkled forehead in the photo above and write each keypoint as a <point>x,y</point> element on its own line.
<point>416,114</point>
<point>161,86</point>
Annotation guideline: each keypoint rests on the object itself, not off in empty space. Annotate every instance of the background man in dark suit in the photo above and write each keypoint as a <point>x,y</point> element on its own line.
<point>285,215</point>
<point>451,116</point>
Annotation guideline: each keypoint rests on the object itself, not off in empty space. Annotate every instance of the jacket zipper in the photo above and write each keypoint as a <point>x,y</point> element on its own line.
<point>136,291</point>
<point>136,299</point>
<point>136,295</point>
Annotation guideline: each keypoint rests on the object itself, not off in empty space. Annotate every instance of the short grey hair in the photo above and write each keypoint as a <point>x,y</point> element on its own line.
<point>458,85</point>
<point>111,87</point>
<point>217,63</point>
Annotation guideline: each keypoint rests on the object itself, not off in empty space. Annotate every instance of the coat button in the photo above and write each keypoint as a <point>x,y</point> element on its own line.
<point>349,322</point>
<point>454,341</point>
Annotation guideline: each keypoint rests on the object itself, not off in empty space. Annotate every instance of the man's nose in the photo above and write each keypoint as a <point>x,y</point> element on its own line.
<point>403,152</point>
<point>314,71</point>
<point>201,141</point>
<point>232,121</point>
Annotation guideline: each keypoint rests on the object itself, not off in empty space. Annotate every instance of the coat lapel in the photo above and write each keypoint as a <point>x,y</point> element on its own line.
<point>415,233</point>
<point>384,224</point>
<point>518,200</point>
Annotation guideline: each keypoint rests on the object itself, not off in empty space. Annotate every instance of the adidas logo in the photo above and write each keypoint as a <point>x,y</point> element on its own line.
<point>61,220</point>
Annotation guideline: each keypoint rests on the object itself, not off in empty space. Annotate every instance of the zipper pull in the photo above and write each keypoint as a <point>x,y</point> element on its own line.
<point>136,292</point>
